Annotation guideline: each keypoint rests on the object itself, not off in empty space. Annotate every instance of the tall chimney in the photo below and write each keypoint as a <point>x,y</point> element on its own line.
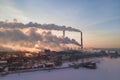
<point>6,21</point>
<point>63,33</point>
<point>15,20</point>
<point>81,40</point>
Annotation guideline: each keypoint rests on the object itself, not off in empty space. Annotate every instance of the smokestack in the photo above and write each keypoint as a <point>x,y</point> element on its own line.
<point>6,21</point>
<point>81,40</point>
<point>63,33</point>
<point>15,20</point>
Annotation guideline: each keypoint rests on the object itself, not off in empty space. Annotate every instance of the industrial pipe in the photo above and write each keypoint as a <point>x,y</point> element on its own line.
<point>81,39</point>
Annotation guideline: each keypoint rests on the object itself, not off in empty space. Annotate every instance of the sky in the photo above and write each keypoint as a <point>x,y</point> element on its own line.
<point>99,20</point>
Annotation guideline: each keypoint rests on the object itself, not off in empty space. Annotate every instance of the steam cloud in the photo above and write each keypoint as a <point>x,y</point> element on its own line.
<point>19,36</point>
<point>44,26</point>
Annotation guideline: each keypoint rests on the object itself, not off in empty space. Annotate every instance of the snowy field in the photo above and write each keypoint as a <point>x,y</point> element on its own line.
<point>108,69</point>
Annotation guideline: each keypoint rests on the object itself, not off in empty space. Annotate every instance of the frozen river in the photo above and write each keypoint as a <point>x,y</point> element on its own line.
<point>108,69</point>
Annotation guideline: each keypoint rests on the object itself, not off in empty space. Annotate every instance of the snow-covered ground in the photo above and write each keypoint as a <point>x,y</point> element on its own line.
<point>108,69</point>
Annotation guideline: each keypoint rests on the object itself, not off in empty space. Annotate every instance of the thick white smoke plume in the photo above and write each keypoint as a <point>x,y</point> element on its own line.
<point>32,37</point>
<point>44,26</point>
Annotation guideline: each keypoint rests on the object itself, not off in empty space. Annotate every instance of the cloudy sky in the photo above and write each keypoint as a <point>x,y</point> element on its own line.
<point>98,19</point>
